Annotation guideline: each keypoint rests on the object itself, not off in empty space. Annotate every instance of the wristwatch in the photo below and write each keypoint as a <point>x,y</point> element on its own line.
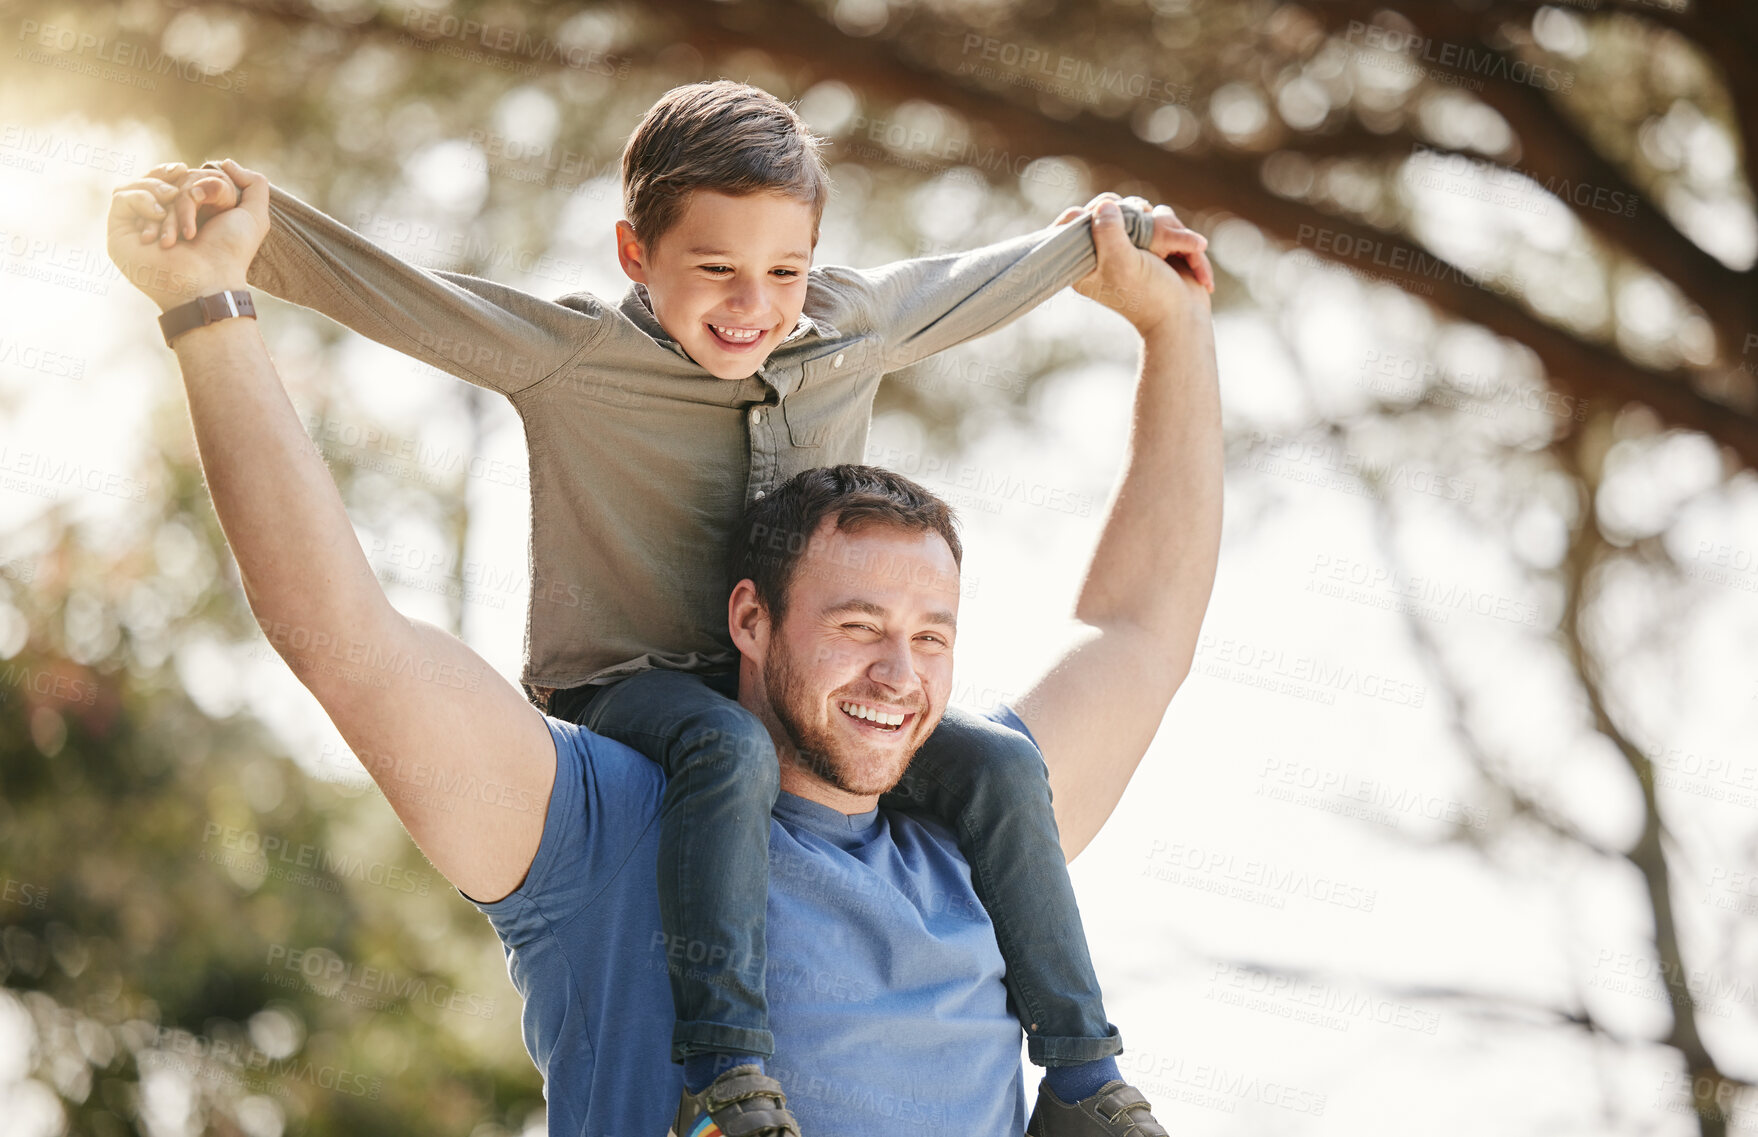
<point>204,311</point>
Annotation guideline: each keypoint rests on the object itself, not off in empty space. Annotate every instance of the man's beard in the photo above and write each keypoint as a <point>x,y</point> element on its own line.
<point>816,748</point>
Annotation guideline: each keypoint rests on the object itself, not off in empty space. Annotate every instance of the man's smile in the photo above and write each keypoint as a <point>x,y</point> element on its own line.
<point>886,720</point>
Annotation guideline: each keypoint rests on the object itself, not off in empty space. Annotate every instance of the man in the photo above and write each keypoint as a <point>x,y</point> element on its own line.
<point>888,987</point>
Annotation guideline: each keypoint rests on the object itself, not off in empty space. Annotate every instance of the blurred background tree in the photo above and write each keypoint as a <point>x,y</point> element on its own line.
<point>1544,210</point>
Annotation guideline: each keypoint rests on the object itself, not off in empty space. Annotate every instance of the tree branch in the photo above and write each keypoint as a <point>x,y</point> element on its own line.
<point>1554,152</point>
<point>1587,551</point>
<point>1219,183</point>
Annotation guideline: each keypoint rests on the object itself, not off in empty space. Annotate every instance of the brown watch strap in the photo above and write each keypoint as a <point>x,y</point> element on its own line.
<point>205,310</point>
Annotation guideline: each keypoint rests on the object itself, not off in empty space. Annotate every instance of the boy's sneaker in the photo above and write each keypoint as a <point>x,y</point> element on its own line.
<point>1117,1110</point>
<point>743,1102</point>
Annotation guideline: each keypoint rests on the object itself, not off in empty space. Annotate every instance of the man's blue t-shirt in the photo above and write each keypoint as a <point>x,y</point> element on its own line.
<point>884,979</point>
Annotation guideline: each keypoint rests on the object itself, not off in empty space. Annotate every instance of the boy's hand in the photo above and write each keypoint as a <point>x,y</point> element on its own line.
<point>1171,239</point>
<point>214,260</point>
<point>1152,293</point>
<point>202,193</point>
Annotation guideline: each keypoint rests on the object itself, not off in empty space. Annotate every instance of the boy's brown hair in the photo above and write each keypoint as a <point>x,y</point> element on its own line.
<point>725,136</point>
<point>776,530</point>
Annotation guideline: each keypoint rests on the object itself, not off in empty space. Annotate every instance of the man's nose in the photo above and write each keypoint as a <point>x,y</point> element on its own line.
<point>895,667</point>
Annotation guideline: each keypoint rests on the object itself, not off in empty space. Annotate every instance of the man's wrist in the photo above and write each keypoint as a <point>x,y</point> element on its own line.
<point>191,288</point>
<point>216,333</point>
<point>211,308</point>
<point>173,288</point>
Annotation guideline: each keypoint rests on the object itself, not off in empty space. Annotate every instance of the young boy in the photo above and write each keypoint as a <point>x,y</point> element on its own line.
<point>640,466</point>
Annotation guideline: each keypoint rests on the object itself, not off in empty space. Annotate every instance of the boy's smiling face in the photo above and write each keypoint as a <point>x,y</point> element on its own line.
<point>729,279</point>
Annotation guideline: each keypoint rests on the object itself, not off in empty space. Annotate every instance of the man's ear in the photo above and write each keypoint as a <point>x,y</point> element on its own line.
<point>631,252</point>
<point>748,620</point>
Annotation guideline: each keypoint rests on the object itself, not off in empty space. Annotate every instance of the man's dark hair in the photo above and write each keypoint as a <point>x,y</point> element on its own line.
<point>776,530</point>
<point>725,136</point>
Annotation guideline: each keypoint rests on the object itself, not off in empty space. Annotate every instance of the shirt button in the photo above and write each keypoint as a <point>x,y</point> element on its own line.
<point>837,362</point>
<point>759,496</point>
<point>756,416</point>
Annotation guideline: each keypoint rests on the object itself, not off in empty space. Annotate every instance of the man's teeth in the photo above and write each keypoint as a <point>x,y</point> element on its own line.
<point>737,335</point>
<point>872,714</point>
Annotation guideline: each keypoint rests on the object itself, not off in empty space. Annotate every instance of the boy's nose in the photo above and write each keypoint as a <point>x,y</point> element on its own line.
<point>745,298</point>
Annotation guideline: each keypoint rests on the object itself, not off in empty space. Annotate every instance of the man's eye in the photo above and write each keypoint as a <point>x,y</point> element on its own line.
<point>931,638</point>
<point>861,627</point>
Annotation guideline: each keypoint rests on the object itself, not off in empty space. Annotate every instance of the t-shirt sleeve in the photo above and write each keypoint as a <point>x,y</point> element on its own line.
<point>1008,717</point>
<point>604,799</point>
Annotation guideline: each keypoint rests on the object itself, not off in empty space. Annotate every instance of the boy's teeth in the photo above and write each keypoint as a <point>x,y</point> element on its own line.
<point>737,334</point>
<point>868,713</point>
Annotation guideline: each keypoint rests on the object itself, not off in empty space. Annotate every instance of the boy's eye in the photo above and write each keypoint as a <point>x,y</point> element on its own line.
<point>723,270</point>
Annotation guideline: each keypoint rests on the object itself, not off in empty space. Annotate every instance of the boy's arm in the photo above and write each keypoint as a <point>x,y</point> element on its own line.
<point>463,759</point>
<point>480,331</point>
<point>924,306</point>
<point>1142,603</point>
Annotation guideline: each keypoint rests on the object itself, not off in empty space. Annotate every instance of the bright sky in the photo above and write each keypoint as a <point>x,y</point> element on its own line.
<point>1293,813</point>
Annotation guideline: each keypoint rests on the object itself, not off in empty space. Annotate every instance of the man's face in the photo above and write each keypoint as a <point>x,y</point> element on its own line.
<point>868,632</point>
<point>729,279</point>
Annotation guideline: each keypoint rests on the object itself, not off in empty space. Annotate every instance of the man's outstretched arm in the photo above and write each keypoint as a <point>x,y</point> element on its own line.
<point>463,759</point>
<point>1142,603</point>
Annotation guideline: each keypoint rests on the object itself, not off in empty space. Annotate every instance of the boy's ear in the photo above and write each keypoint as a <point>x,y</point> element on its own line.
<point>631,253</point>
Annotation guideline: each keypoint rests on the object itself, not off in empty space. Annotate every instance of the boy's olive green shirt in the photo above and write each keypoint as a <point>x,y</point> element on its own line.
<point>641,461</point>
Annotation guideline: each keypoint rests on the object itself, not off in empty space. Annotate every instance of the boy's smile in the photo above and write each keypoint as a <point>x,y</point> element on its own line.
<point>728,280</point>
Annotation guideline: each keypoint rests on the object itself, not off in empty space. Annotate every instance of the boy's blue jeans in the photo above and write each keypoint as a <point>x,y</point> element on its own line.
<point>985,782</point>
